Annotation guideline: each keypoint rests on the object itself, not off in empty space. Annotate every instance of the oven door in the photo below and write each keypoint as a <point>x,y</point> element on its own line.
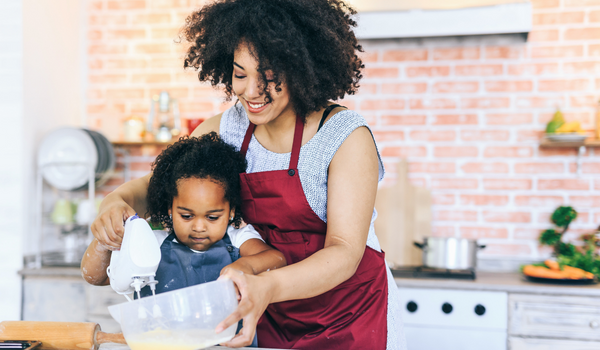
<point>454,319</point>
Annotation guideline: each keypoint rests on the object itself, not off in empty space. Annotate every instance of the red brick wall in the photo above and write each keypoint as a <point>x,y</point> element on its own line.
<point>466,112</point>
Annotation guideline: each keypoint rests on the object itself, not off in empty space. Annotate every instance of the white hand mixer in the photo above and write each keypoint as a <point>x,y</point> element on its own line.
<point>134,266</point>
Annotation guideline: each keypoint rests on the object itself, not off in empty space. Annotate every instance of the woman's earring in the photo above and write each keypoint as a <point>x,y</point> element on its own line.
<point>171,216</point>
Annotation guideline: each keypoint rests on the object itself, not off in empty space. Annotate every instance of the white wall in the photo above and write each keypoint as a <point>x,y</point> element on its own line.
<point>12,168</point>
<point>42,87</point>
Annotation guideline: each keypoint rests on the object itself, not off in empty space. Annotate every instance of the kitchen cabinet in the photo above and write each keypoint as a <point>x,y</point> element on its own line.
<point>61,294</point>
<point>515,343</point>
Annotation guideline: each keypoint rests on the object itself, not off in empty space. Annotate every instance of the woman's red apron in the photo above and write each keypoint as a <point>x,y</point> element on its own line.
<point>353,315</point>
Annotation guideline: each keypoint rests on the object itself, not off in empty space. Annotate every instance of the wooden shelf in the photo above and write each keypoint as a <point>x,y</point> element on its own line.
<point>589,142</point>
<point>143,143</point>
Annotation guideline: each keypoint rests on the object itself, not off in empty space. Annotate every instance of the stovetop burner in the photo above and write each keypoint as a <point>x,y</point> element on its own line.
<point>429,272</point>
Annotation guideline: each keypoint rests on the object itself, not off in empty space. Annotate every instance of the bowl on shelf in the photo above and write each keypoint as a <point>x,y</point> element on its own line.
<point>566,137</point>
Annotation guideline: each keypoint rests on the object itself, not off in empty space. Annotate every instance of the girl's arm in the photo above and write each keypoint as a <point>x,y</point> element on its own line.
<point>352,186</point>
<point>130,198</point>
<point>257,257</point>
<point>94,263</point>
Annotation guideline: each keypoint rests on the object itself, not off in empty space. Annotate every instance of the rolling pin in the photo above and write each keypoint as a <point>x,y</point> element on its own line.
<point>59,335</point>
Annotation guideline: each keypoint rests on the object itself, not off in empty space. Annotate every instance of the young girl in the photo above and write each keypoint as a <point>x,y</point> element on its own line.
<point>194,192</point>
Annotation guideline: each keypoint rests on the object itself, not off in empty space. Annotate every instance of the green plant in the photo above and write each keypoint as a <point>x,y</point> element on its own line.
<point>584,257</point>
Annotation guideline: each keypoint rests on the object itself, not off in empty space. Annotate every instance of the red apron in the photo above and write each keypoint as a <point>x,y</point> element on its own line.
<point>352,315</point>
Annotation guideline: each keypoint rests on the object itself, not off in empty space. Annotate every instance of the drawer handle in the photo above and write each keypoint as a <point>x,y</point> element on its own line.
<point>411,306</point>
<point>594,324</point>
<point>447,308</point>
<point>479,309</point>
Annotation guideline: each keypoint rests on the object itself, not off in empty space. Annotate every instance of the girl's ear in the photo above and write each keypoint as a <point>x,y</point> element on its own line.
<point>231,214</point>
<point>170,211</point>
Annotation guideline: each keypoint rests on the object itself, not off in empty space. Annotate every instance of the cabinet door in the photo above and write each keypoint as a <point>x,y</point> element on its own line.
<point>516,343</point>
<point>563,317</point>
<point>54,299</point>
<point>434,338</point>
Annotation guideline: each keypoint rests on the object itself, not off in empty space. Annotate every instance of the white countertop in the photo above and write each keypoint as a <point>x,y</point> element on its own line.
<point>494,281</point>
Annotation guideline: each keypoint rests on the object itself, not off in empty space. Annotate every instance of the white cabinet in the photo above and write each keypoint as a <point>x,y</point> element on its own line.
<point>515,343</point>
<point>61,294</point>
<point>554,317</point>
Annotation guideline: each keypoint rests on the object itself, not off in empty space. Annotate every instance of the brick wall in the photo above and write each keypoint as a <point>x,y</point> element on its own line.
<point>466,112</point>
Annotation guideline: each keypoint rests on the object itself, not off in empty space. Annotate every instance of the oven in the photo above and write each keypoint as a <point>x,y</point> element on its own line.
<point>445,319</point>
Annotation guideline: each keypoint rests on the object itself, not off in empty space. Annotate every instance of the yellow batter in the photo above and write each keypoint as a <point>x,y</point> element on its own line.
<point>190,339</point>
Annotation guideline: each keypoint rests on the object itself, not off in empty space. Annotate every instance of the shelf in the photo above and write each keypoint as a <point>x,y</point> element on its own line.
<point>143,143</point>
<point>590,142</point>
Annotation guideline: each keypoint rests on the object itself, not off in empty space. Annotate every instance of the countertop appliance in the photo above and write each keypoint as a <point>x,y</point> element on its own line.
<point>429,272</point>
<point>454,319</point>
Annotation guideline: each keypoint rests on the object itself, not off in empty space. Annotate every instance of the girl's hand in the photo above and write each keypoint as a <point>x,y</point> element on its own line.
<point>108,225</point>
<point>255,296</point>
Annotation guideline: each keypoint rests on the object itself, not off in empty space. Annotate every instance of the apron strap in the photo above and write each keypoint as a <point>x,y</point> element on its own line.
<point>247,138</point>
<point>296,145</point>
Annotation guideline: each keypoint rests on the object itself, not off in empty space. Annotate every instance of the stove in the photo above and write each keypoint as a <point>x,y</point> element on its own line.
<point>430,272</point>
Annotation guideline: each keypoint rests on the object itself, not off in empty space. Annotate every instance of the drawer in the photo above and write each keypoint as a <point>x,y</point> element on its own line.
<point>425,338</point>
<point>99,298</point>
<point>515,343</point>
<point>429,310</point>
<point>563,317</point>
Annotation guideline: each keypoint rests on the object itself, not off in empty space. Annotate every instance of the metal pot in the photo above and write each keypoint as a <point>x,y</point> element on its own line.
<point>449,253</point>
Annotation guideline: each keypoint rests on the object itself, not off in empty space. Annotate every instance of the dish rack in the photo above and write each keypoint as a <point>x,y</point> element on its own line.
<point>39,200</point>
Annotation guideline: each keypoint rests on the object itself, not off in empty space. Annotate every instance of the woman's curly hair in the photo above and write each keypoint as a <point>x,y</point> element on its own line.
<point>205,157</point>
<point>308,44</point>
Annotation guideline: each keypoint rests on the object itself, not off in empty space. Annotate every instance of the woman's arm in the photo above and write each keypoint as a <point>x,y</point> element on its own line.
<point>130,198</point>
<point>94,263</point>
<point>257,257</point>
<point>352,187</point>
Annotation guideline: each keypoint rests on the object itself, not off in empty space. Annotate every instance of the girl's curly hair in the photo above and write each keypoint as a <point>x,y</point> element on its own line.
<point>206,157</point>
<point>308,44</point>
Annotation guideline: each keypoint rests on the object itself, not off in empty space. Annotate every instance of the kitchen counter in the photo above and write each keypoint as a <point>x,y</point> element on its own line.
<point>112,346</point>
<point>52,272</point>
<point>504,282</point>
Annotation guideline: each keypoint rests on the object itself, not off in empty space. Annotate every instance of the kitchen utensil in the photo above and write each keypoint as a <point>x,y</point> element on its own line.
<point>186,320</point>
<point>86,212</point>
<point>403,215</point>
<point>19,344</point>
<point>59,335</point>
<point>65,157</point>
<point>449,252</point>
<point>167,122</point>
<point>62,213</point>
<point>134,265</point>
<point>192,124</point>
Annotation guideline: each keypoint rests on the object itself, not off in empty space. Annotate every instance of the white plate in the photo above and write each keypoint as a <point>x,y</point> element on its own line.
<point>574,137</point>
<point>67,145</point>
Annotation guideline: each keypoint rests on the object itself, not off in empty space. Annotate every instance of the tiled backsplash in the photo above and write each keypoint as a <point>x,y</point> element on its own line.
<point>466,112</point>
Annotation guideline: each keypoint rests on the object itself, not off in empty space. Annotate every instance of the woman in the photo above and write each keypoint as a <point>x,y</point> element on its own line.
<point>312,174</point>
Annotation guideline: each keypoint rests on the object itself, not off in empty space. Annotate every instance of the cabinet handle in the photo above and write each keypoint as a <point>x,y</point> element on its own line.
<point>594,324</point>
<point>480,309</point>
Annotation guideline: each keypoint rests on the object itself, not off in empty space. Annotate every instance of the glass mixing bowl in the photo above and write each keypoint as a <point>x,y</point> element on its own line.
<point>183,319</point>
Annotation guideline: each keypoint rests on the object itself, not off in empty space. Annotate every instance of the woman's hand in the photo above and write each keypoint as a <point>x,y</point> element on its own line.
<point>108,225</point>
<point>255,296</point>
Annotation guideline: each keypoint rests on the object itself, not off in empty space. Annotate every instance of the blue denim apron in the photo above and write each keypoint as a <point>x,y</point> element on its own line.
<point>180,267</point>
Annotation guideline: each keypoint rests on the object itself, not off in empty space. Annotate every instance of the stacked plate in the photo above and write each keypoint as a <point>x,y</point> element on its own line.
<point>66,156</point>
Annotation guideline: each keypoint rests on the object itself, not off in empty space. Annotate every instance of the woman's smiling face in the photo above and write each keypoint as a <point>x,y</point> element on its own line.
<point>246,82</point>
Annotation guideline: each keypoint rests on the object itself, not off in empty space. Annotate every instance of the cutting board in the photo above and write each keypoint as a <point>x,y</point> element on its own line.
<point>404,216</point>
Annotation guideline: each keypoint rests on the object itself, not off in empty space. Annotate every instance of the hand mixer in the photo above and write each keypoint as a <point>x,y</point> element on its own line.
<point>134,266</point>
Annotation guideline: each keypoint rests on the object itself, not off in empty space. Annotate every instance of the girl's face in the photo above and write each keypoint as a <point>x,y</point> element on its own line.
<point>246,85</point>
<point>200,213</point>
